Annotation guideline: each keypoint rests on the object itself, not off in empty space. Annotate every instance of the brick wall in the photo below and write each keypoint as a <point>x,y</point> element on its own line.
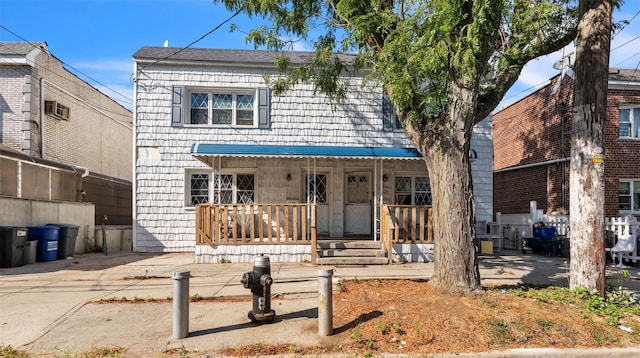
<point>622,156</point>
<point>537,129</point>
<point>99,132</point>
<point>12,80</point>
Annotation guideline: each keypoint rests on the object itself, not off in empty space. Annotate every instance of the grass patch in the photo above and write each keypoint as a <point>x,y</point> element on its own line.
<point>10,352</point>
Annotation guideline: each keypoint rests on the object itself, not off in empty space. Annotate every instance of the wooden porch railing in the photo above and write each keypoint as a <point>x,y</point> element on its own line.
<point>256,224</point>
<point>405,224</point>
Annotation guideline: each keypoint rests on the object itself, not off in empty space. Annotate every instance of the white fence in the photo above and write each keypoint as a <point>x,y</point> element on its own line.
<point>514,227</point>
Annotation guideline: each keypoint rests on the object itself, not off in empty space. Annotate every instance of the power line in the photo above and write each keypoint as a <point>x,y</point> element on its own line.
<point>53,73</point>
<point>625,26</point>
<point>196,41</point>
<point>626,43</point>
<point>128,100</point>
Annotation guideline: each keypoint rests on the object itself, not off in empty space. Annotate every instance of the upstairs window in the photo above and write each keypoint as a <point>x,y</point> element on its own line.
<point>222,108</point>
<point>390,120</point>
<point>629,122</point>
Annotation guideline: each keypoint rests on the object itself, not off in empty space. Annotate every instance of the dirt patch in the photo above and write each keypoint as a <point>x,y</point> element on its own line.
<point>403,316</point>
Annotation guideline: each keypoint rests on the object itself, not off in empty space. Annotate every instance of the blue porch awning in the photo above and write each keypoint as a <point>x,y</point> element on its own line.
<point>206,151</point>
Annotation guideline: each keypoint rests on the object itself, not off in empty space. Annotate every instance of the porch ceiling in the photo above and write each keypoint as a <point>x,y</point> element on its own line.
<point>206,152</point>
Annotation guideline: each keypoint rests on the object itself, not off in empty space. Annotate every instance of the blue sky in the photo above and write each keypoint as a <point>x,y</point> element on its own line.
<point>98,37</point>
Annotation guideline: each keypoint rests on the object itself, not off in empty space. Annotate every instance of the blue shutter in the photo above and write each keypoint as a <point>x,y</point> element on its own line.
<point>176,105</point>
<point>388,114</point>
<point>264,99</point>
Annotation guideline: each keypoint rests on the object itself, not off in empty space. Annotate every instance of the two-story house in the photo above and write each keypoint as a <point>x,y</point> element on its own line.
<point>532,145</point>
<point>276,169</point>
<point>61,140</point>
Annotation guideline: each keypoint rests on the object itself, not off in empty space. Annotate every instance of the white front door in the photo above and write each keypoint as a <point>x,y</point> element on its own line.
<point>357,208</point>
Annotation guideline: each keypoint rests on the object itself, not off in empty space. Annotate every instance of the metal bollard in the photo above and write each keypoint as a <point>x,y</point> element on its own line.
<point>181,303</point>
<point>325,303</point>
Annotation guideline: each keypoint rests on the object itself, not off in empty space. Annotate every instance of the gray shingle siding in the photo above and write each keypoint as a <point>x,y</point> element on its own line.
<point>299,117</point>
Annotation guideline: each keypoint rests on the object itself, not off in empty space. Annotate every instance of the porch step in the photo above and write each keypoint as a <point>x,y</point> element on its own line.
<point>353,244</point>
<point>377,252</point>
<point>350,252</point>
<point>346,260</point>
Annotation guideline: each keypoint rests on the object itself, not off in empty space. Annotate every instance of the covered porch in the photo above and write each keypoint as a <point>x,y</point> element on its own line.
<point>281,200</point>
<point>287,232</point>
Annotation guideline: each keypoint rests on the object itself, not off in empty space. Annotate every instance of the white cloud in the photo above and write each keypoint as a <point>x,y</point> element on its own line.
<point>299,46</point>
<point>120,94</point>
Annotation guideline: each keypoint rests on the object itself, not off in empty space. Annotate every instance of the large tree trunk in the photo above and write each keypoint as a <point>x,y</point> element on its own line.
<point>447,159</point>
<point>586,177</point>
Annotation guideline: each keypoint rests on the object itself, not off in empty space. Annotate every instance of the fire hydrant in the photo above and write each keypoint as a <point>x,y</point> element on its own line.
<point>259,281</point>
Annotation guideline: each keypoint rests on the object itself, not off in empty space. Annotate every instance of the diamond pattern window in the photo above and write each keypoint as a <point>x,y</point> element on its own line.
<point>199,108</point>
<point>199,193</point>
<point>316,188</point>
<point>357,189</point>
<point>228,187</point>
<point>222,108</point>
<point>245,194</point>
<point>412,190</point>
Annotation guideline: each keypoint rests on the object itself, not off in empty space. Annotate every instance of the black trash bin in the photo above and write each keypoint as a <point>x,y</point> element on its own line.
<point>30,254</point>
<point>66,239</point>
<point>565,247</point>
<point>12,243</point>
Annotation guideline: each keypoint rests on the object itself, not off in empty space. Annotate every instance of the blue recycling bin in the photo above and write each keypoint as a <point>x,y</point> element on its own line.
<point>47,236</point>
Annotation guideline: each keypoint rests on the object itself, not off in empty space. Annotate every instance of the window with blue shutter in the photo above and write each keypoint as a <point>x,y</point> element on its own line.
<point>390,121</point>
<point>241,108</point>
<point>176,105</point>
<point>264,106</point>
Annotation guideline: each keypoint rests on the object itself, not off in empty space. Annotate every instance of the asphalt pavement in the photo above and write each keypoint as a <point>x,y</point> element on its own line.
<point>65,306</point>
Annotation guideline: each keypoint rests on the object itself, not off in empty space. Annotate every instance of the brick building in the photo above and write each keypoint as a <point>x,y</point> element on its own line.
<point>532,148</point>
<point>62,139</point>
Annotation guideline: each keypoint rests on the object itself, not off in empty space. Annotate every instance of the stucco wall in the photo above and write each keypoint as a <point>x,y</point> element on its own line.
<point>23,212</point>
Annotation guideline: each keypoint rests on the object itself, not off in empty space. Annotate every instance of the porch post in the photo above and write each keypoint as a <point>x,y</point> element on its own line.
<point>376,220</point>
<point>219,177</point>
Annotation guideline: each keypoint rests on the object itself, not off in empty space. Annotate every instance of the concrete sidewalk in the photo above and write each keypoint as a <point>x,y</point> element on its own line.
<point>51,307</point>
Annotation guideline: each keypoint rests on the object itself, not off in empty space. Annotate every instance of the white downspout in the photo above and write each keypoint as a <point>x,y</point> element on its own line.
<point>85,169</point>
<point>134,151</point>
<point>42,117</point>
